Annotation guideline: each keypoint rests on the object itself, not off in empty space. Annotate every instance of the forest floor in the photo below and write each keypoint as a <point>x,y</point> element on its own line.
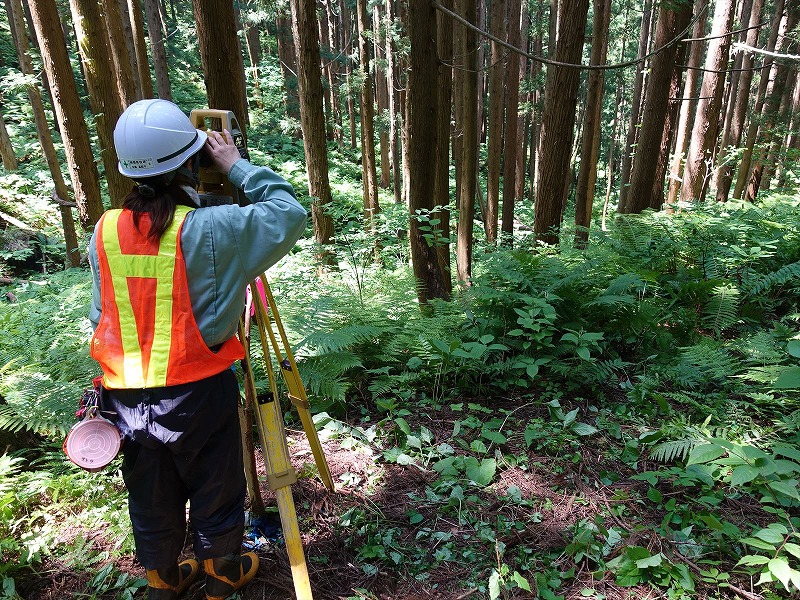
<point>559,495</point>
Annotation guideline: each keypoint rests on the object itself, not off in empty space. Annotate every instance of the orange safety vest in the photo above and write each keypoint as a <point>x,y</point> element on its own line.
<point>147,336</point>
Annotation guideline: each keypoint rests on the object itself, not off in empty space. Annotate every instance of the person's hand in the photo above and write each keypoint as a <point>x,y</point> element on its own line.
<point>221,150</point>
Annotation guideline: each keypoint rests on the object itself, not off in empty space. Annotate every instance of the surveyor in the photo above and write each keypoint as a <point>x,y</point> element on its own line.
<point>169,287</point>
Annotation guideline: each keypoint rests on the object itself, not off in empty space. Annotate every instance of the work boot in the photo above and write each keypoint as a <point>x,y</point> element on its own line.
<point>229,573</point>
<point>169,583</point>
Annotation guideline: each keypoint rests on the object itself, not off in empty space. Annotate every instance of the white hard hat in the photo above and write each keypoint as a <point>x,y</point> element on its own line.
<point>153,137</point>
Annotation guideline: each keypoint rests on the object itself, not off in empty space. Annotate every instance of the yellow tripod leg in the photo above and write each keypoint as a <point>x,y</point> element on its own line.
<point>280,476</point>
<point>291,376</point>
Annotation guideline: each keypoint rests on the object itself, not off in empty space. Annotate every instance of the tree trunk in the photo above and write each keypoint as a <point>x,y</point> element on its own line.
<point>158,48</point>
<point>590,147</point>
<point>656,107</point>
<point>221,54</point>
<point>332,73</point>
<point>697,171</point>
<point>558,121</point>
<point>347,30</point>
<point>497,84</point>
<point>469,142</point>
<point>761,94</point>
<point>103,91</point>
<point>793,137</point>
<point>636,95</point>
<point>444,87</point>
<point>511,143</point>
<point>69,113</point>
<point>688,104</point>
<point>312,118</point>
<point>432,280</point>
<point>10,162</point>
<point>524,124</point>
<point>288,60</point>
<point>16,19</point>
<point>394,138</point>
<point>142,62</point>
<point>770,112</point>
<point>122,58</point>
<point>381,92</point>
<point>369,172</point>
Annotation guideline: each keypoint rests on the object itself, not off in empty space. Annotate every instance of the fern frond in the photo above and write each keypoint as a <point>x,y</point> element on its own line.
<point>666,452</point>
<point>721,310</point>
<point>782,276</point>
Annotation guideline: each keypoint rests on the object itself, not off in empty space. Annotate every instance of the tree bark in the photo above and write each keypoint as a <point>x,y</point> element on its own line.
<point>469,144</point>
<point>288,59</point>
<point>444,87</point>
<point>69,113</point>
<point>10,162</point>
<point>558,121</point>
<point>511,142</point>
<point>636,95</point>
<point>423,78</point>
<point>494,137</point>
<point>590,146</point>
<point>142,62</point>
<point>103,91</point>
<point>394,137</point>
<point>769,115</point>
<point>369,172</point>
<point>158,48</point>
<point>704,133</point>
<point>221,55</point>
<point>761,94</point>
<point>656,107</point>
<point>122,58</point>
<point>688,104</point>
<point>312,118</point>
<point>16,19</point>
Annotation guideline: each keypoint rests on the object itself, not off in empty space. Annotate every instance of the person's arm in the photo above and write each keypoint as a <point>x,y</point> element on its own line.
<point>226,247</point>
<point>95,308</point>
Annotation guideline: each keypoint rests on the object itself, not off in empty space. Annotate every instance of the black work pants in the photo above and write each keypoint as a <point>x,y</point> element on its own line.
<point>182,443</point>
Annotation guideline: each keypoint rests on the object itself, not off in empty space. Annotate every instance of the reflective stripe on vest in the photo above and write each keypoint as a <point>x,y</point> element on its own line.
<point>160,267</point>
<point>145,306</point>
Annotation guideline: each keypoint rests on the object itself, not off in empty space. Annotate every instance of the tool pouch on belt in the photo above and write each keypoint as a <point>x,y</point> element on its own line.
<point>94,441</point>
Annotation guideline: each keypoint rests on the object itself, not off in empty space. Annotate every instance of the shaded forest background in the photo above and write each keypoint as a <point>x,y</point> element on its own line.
<point>546,309</point>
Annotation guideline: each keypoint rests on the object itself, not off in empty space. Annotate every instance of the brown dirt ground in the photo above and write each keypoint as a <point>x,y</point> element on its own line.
<point>365,480</point>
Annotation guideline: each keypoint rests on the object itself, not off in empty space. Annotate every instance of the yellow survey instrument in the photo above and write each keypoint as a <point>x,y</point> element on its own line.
<point>216,189</point>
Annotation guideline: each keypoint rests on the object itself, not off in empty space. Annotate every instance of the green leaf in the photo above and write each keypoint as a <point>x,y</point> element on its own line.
<point>478,446</point>
<point>787,488</point>
<point>704,453</point>
<point>743,474</point>
<point>769,535</point>
<point>583,352</point>
<point>481,473</point>
<point>792,549</point>
<point>415,518</point>
<point>788,379</point>
<point>570,417</point>
<point>651,561</point>
<point>760,544</point>
<point>583,429</point>
<point>403,425</point>
<point>494,436</point>
<point>494,585</point>
<point>753,560</point>
<point>521,581</point>
<point>654,495</point>
<point>780,569</point>
<point>793,347</point>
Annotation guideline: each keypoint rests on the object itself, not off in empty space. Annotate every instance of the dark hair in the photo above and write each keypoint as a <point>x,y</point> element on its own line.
<point>157,198</point>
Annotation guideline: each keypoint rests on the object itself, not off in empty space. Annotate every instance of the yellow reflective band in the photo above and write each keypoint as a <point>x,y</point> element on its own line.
<point>160,267</point>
